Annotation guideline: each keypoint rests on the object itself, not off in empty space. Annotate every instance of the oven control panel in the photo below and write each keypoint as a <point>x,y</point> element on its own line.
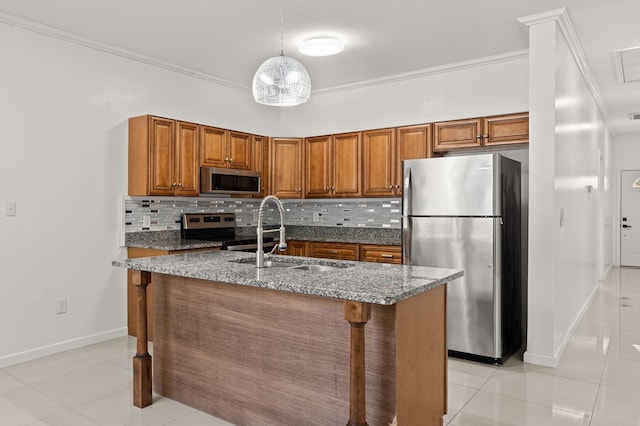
<point>208,220</point>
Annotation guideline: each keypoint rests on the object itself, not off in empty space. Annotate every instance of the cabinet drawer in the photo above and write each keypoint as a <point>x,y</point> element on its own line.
<point>335,251</point>
<point>381,254</point>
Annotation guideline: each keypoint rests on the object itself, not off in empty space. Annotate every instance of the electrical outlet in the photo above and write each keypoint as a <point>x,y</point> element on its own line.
<point>316,216</point>
<point>146,221</point>
<point>61,306</point>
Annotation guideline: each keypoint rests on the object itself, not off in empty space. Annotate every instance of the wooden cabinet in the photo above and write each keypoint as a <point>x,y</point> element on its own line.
<point>333,165</point>
<point>286,165</point>
<point>506,129</point>
<point>341,251</point>
<point>297,248</point>
<point>163,157</point>
<point>479,132</point>
<point>382,153</point>
<point>381,254</point>
<point>225,148</point>
<point>260,162</point>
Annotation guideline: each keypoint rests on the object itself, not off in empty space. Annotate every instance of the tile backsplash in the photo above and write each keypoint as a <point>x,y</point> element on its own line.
<point>163,213</point>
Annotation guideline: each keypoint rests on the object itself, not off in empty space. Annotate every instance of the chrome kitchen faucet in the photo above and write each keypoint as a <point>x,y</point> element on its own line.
<point>282,245</point>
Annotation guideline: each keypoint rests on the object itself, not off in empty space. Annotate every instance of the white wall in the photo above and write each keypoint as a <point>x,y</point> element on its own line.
<point>495,88</point>
<point>626,156</point>
<point>64,112</point>
<point>567,139</point>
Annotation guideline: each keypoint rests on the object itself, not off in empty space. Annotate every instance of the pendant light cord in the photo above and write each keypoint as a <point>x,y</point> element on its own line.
<point>282,27</point>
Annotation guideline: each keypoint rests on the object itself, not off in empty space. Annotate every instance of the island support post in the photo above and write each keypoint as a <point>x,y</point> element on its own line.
<point>142,386</point>
<point>357,313</point>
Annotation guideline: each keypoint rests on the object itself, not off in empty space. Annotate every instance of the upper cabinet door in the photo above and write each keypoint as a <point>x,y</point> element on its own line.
<point>239,150</point>
<point>317,152</point>
<point>162,180</point>
<point>260,162</point>
<point>506,129</point>
<point>286,167</point>
<point>457,134</point>
<point>213,147</point>
<point>347,148</point>
<point>378,158</point>
<point>411,142</point>
<point>187,155</point>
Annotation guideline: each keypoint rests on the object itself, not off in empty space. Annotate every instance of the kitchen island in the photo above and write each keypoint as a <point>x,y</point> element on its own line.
<point>286,344</point>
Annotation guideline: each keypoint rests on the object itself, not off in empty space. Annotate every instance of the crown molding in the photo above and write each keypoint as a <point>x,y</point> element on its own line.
<point>457,66</point>
<point>113,50</point>
<point>561,17</point>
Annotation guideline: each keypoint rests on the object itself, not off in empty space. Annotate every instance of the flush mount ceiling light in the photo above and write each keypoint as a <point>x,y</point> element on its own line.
<point>321,46</point>
<point>281,80</point>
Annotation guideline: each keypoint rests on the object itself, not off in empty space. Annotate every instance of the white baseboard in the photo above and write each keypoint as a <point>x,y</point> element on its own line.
<point>543,360</point>
<point>19,357</point>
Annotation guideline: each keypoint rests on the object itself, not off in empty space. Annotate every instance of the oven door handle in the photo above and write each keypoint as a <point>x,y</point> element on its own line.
<point>252,246</point>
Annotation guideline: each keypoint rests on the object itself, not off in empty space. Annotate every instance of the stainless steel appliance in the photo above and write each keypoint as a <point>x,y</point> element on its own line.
<point>219,227</point>
<point>463,212</point>
<point>214,180</point>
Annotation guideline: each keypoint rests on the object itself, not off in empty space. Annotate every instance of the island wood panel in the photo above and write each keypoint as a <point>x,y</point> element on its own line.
<point>256,356</point>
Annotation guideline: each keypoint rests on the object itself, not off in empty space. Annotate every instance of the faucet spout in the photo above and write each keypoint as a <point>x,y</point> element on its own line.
<point>260,231</point>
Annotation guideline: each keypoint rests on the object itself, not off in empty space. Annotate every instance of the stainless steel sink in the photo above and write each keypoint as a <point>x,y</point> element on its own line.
<point>316,268</point>
<point>308,267</point>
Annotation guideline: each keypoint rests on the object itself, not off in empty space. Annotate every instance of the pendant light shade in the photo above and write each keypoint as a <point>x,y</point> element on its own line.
<point>281,81</point>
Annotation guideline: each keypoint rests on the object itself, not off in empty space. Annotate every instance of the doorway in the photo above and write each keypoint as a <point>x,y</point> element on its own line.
<point>630,218</point>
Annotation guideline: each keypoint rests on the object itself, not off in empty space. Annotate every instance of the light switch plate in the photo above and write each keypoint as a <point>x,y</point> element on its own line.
<point>10,209</point>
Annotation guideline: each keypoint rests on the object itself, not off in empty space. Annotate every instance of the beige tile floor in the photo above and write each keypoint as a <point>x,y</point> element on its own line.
<point>597,382</point>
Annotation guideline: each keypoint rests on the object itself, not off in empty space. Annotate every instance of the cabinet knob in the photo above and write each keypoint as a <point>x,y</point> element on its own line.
<point>333,188</point>
<point>299,190</point>
<point>175,184</point>
<point>231,160</point>
<point>180,185</point>
<point>390,187</point>
<point>397,186</point>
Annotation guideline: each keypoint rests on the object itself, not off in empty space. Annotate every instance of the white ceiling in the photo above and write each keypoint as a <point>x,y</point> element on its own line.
<point>227,40</point>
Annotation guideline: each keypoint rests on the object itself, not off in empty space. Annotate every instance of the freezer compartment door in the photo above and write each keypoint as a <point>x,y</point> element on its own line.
<point>451,186</point>
<point>473,305</point>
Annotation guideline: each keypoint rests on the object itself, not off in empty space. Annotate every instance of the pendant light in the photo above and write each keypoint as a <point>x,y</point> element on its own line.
<point>281,80</point>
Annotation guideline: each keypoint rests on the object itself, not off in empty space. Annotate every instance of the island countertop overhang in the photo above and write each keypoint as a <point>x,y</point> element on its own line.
<point>376,283</point>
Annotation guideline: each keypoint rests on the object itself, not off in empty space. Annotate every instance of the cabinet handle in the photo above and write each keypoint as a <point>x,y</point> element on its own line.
<point>332,251</point>
<point>387,256</point>
<point>485,136</point>
<point>478,136</point>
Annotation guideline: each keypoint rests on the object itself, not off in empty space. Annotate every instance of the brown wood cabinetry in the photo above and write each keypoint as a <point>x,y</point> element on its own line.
<point>286,165</point>
<point>341,251</point>
<point>383,151</point>
<point>297,248</point>
<point>163,157</point>
<point>381,254</point>
<point>506,129</point>
<point>479,132</point>
<point>333,165</point>
<point>225,148</point>
<point>260,162</point>
<point>378,158</point>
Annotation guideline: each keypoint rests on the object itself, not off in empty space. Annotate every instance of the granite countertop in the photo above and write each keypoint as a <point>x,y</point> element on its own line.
<point>166,240</point>
<point>377,283</point>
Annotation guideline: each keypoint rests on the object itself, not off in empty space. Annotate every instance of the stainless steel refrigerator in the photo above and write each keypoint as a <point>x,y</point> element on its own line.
<point>463,212</point>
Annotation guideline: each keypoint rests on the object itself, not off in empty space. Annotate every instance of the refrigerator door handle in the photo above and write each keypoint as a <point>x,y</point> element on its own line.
<point>406,190</point>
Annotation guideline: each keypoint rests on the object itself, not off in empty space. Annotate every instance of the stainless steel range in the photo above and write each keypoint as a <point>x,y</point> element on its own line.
<point>219,227</point>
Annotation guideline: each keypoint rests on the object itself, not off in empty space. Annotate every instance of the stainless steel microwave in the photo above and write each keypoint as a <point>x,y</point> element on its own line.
<point>214,180</point>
